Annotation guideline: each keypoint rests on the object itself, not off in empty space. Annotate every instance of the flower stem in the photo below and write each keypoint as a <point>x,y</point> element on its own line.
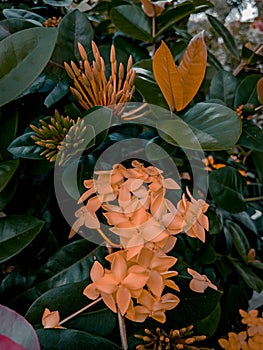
<point>123,333</point>
<point>107,239</point>
<point>80,311</point>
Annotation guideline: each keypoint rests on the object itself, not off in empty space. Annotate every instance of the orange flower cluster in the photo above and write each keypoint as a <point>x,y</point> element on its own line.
<point>134,204</point>
<point>91,85</point>
<point>251,339</point>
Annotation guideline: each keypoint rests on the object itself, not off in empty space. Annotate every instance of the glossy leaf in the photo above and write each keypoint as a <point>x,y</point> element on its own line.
<point>16,327</point>
<point>25,147</point>
<point>249,277</point>
<point>68,271</point>
<point>223,86</point>
<point>69,339</point>
<point>7,194</point>
<point>16,233</point>
<point>251,137</point>
<point>247,91</point>
<point>204,126</point>
<point>148,88</point>
<point>23,55</point>
<point>13,25</point>
<point>180,84</point>
<point>226,187</point>
<point>137,26</point>
<point>240,240</point>
<point>8,121</point>
<point>24,14</point>
<point>174,15</point>
<point>59,91</point>
<point>208,325</point>
<point>260,90</point>
<point>127,45</point>
<point>258,161</point>
<point>7,170</point>
<point>96,320</point>
<point>223,32</point>
<point>63,3</point>
<point>74,27</point>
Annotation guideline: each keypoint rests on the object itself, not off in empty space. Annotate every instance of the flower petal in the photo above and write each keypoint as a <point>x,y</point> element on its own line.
<point>123,297</point>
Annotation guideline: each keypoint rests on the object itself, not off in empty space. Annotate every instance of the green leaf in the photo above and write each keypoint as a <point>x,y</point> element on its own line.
<point>74,27</point>
<point>207,125</point>
<point>7,194</point>
<point>16,233</point>
<point>59,91</point>
<point>25,147</point>
<point>146,84</point>
<point>223,32</point>
<point>208,325</point>
<point>188,310</point>
<point>23,55</point>
<point>62,268</point>
<point>246,92</point>
<point>63,3</point>
<point>258,161</point>
<point>18,329</point>
<point>137,26</point>
<point>223,86</point>
<point>249,277</point>
<point>100,321</point>
<point>240,240</point>
<point>24,14</point>
<point>68,339</point>
<point>251,137</point>
<point>173,15</point>
<point>13,25</point>
<point>226,187</point>
<point>127,45</point>
<point>8,121</point>
<point>7,170</point>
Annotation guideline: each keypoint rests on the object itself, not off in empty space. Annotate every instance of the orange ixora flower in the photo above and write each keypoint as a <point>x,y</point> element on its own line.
<point>91,85</point>
<point>51,319</point>
<point>199,283</point>
<point>234,342</point>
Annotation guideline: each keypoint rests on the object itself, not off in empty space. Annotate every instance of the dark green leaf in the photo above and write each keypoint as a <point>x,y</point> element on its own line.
<point>63,3</point>
<point>59,91</point>
<point>240,240</point>
<point>68,271</point>
<point>68,339</point>
<point>23,55</point>
<point>223,86</point>
<point>100,321</point>
<point>258,161</point>
<point>146,84</point>
<point>203,126</point>
<point>7,170</point>
<point>226,187</point>
<point>249,277</point>
<point>25,147</point>
<point>251,137</point>
<point>127,45</point>
<point>16,233</point>
<point>24,14</point>
<point>137,26</point>
<point>246,92</point>
<point>18,329</point>
<point>208,325</point>
<point>215,222</point>
<point>7,194</point>
<point>13,25</point>
<point>74,27</point>
<point>8,121</point>
<point>223,32</point>
<point>188,310</point>
<point>174,15</point>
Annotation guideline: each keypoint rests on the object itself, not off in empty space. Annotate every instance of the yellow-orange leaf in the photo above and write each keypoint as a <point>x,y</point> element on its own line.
<point>168,77</point>
<point>180,85</point>
<point>260,90</point>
